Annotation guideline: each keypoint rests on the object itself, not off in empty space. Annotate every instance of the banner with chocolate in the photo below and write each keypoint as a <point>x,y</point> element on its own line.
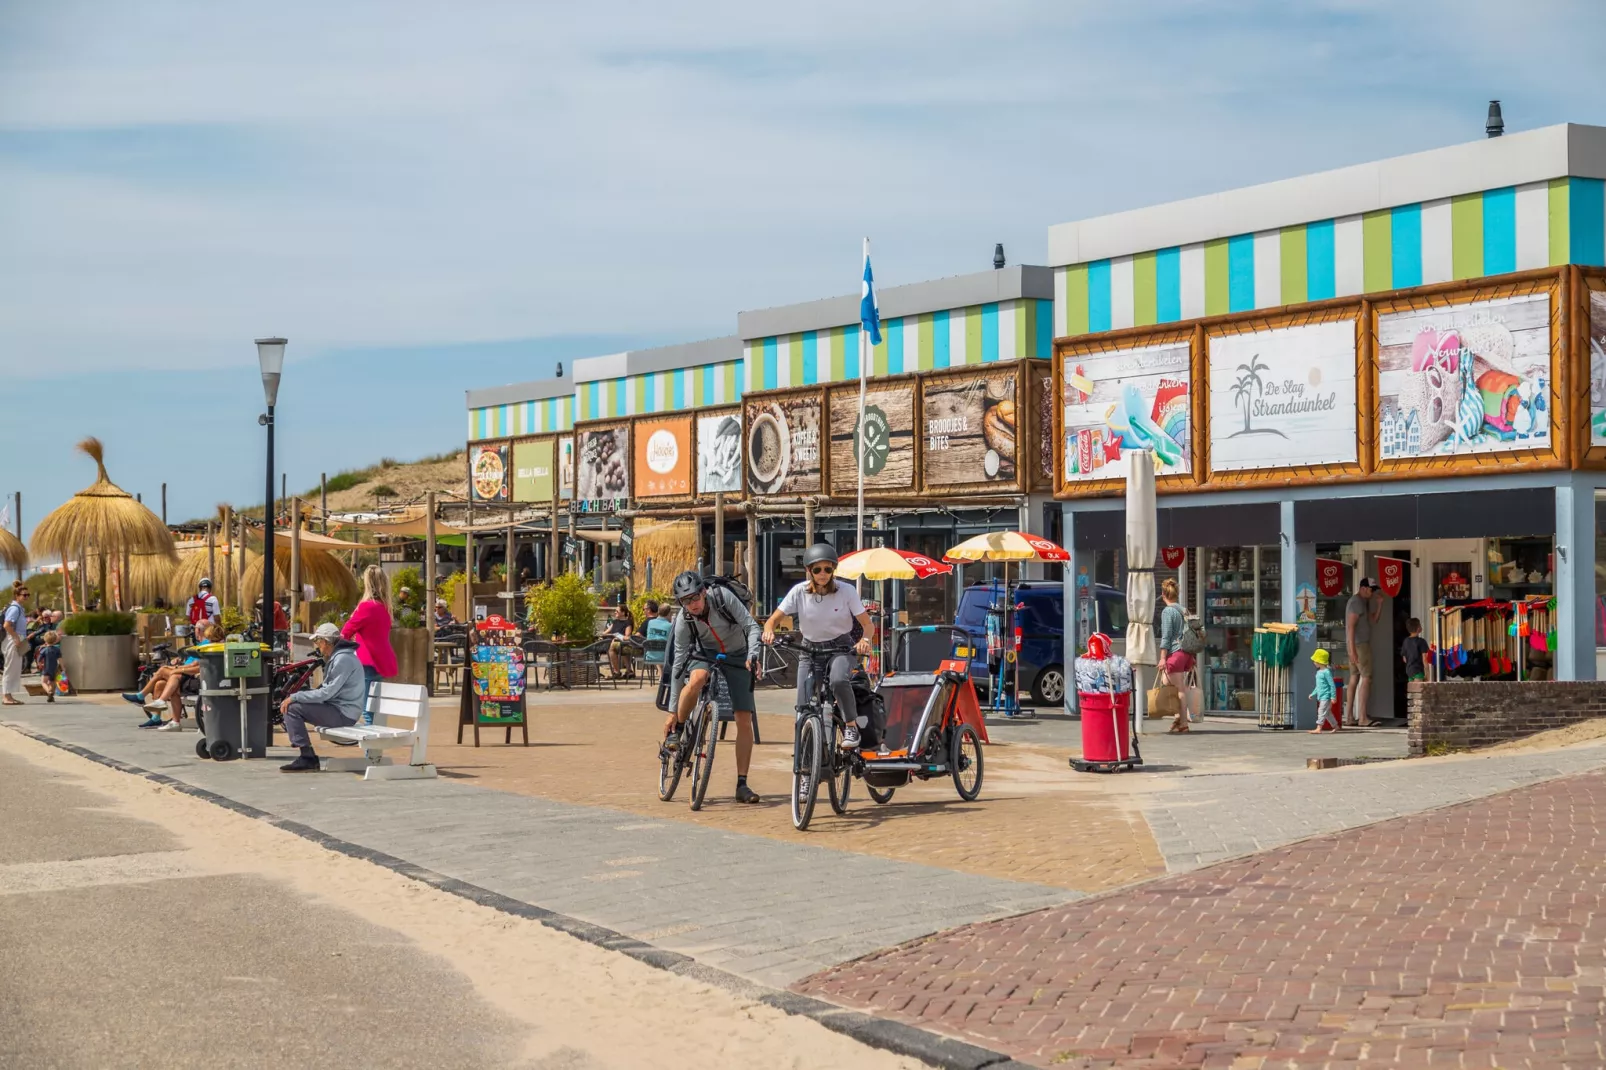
<point>603,473</point>
<point>970,426</point>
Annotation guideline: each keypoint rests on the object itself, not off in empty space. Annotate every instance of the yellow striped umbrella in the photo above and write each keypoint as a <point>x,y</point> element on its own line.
<point>885,563</point>
<point>1007,546</point>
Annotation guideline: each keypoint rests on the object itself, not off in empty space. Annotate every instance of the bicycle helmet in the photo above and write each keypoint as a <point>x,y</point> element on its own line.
<point>819,553</point>
<point>688,585</point>
<point>205,582</point>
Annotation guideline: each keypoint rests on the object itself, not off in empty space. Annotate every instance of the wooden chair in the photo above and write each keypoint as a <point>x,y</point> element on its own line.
<point>401,719</point>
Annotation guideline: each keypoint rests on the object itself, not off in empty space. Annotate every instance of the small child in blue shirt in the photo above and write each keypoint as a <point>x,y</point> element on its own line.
<point>1325,693</point>
<point>49,658</point>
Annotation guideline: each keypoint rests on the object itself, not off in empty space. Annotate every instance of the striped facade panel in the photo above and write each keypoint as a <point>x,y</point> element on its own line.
<point>946,338</point>
<point>1497,231</point>
<point>665,391</point>
<point>521,418</point>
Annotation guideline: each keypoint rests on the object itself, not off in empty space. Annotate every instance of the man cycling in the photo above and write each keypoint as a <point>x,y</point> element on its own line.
<point>713,621</point>
<point>825,611</point>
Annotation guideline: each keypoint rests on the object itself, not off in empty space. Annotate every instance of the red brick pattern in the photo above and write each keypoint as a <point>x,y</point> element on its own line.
<point>1473,936</point>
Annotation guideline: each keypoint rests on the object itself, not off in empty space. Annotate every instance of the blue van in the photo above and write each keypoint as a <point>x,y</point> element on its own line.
<point>1042,623</point>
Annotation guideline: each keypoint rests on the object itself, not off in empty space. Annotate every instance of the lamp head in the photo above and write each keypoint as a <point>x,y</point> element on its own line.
<point>270,355</point>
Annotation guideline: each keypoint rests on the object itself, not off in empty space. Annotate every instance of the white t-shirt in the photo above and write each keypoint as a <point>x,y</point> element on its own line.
<point>822,618</point>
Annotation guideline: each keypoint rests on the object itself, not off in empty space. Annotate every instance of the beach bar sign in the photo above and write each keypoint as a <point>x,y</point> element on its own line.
<point>1283,398</point>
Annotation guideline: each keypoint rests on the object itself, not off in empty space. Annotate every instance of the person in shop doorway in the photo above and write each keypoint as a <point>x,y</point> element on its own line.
<point>1414,651</point>
<point>1363,610</point>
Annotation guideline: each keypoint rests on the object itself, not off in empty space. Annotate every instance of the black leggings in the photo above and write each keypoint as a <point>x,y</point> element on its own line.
<point>840,676</point>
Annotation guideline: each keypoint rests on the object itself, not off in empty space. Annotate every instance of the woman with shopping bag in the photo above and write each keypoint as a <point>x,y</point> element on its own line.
<point>1176,659</point>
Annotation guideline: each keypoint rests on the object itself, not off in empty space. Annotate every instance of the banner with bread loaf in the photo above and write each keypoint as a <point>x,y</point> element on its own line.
<point>1135,398</point>
<point>969,431</point>
<point>887,436</point>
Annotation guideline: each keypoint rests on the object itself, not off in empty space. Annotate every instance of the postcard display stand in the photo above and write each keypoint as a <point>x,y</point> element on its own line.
<point>496,680</point>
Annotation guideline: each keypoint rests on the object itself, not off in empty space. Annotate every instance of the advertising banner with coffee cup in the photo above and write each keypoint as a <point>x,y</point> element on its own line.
<point>602,471</point>
<point>1469,378</point>
<point>1128,399</point>
<point>532,470</point>
<point>887,437</point>
<point>1283,397</point>
<point>719,452</point>
<point>487,472</point>
<point>783,444</point>
<point>969,424</point>
<point>663,458</point>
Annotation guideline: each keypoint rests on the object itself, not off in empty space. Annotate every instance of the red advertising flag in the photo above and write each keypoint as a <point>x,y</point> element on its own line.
<point>1174,556</point>
<point>1329,577</point>
<point>1391,575</point>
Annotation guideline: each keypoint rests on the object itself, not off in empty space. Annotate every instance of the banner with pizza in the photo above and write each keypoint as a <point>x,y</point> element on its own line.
<point>488,472</point>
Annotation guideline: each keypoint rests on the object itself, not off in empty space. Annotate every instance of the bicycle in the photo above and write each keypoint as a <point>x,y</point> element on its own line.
<point>701,729</point>
<point>815,747</point>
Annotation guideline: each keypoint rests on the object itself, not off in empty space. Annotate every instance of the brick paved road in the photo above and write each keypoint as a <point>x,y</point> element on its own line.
<point>1473,936</point>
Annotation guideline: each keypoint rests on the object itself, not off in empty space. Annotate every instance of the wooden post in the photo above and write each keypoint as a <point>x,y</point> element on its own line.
<point>223,581</point>
<point>83,577</point>
<point>164,503</point>
<point>239,563</point>
<point>752,562</point>
<point>808,525</point>
<point>211,550</point>
<point>572,536</point>
<point>323,499</point>
<point>429,589</point>
<point>602,557</point>
<point>719,533</point>
<point>554,557</point>
<point>295,561</point>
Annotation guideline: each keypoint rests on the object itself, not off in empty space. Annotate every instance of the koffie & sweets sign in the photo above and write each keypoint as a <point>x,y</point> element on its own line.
<point>533,478</point>
<point>663,458</point>
<point>887,436</point>
<point>783,444</point>
<point>719,453</point>
<point>1283,397</point>
<point>602,472</point>
<point>970,423</point>
<point>1118,400</point>
<point>487,472</point>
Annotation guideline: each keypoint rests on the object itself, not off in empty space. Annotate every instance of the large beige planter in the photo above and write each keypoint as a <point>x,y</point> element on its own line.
<point>412,655</point>
<point>100,662</point>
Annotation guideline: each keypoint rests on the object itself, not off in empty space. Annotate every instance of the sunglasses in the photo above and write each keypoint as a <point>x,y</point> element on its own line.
<point>821,570</point>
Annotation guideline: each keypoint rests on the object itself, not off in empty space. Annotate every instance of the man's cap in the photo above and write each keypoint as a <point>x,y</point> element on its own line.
<point>327,631</point>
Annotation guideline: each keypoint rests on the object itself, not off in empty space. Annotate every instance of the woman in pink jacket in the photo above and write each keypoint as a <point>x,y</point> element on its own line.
<point>369,626</point>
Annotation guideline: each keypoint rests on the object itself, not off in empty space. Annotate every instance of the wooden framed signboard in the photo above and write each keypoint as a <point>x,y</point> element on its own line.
<point>494,679</point>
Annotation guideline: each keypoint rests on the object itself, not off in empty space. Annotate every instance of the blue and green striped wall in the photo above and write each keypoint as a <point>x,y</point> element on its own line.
<point>950,338</point>
<point>666,391</point>
<point>1541,224</point>
<point>521,418</point>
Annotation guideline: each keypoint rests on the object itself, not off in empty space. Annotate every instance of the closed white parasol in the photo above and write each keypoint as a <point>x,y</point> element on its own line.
<point>1141,548</point>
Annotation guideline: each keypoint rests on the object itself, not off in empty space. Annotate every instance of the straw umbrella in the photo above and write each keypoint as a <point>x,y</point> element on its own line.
<point>105,519</point>
<point>148,578</point>
<point>194,564</point>
<point>319,567</point>
<point>12,552</point>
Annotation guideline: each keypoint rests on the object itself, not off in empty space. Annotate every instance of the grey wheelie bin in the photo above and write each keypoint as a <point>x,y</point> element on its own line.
<point>234,676</point>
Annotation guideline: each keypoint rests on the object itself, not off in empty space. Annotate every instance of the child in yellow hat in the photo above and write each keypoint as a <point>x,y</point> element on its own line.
<point>1325,692</point>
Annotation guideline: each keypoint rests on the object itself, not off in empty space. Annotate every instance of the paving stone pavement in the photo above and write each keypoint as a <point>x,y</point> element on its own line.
<point>1472,936</point>
<point>765,910</point>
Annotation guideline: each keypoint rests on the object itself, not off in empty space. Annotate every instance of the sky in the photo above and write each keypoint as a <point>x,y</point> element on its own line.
<point>427,198</point>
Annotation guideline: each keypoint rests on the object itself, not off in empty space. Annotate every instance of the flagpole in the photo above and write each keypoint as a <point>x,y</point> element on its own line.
<point>864,352</point>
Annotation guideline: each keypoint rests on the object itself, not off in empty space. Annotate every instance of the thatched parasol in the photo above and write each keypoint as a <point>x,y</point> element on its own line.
<point>103,518</point>
<point>12,552</point>
<point>328,575</point>
<point>192,565</point>
<point>148,578</point>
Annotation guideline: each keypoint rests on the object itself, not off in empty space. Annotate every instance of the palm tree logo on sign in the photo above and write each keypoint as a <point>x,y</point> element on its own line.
<point>1246,391</point>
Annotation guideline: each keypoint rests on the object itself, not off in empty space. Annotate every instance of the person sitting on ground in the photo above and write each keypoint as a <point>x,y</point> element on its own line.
<point>161,693</point>
<point>443,614</point>
<point>49,658</point>
<point>620,625</point>
<point>337,703</point>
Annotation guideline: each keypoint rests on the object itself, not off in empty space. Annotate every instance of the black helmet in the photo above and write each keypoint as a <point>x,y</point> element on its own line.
<point>818,553</point>
<point>688,585</point>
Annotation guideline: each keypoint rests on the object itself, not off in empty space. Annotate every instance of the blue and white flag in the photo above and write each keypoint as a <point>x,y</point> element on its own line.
<point>869,312</point>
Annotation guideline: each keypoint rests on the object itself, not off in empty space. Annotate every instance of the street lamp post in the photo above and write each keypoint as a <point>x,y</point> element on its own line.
<point>270,355</point>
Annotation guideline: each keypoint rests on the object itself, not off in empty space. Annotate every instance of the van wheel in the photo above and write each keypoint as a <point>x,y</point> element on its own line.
<point>1049,687</point>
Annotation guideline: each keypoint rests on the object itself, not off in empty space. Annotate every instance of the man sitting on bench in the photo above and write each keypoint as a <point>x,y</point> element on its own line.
<point>336,704</point>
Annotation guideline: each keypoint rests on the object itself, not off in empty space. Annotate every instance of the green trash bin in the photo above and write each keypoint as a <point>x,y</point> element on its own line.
<point>233,674</point>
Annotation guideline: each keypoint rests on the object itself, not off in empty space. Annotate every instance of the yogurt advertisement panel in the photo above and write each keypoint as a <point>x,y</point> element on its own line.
<point>783,445</point>
<point>970,431</point>
<point>887,437</point>
<point>1127,399</point>
<point>1283,397</point>
<point>663,458</point>
<point>1472,378</point>
<point>1597,368</point>
<point>719,453</point>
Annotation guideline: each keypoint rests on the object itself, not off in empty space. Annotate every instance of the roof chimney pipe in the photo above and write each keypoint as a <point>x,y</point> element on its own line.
<point>560,370</point>
<point>998,256</point>
<point>1496,124</point>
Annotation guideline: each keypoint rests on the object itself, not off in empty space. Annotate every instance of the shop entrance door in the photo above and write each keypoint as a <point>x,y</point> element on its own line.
<point>1388,671</point>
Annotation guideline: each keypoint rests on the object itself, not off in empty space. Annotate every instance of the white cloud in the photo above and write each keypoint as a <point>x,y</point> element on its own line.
<point>397,173</point>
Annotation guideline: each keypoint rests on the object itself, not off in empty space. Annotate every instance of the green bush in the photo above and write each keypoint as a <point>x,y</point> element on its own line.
<point>638,605</point>
<point>98,624</point>
<point>344,481</point>
<point>334,616</point>
<point>234,621</point>
<point>384,490</point>
<point>409,618</point>
<point>410,579</point>
<point>567,608</point>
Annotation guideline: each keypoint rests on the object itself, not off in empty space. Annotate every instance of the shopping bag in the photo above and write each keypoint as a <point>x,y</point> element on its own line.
<point>1164,701</point>
<point>1192,699</point>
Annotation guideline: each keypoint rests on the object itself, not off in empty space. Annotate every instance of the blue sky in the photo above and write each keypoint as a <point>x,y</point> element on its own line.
<point>426,198</point>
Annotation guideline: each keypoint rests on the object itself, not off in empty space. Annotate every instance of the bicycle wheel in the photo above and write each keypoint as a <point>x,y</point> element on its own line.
<point>839,774</point>
<point>882,796</point>
<point>966,763</point>
<point>805,773</point>
<point>669,769</point>
<point>702,768</point>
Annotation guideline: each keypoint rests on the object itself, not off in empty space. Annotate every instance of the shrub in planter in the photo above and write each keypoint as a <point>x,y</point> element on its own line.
<point>565,608</point>
<point>107,623</point>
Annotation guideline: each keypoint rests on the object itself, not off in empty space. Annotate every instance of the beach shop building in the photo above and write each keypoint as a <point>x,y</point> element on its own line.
<point>1395,371</point>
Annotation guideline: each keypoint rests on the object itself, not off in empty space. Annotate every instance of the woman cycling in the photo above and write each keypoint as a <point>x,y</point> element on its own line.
<point>825,611</point>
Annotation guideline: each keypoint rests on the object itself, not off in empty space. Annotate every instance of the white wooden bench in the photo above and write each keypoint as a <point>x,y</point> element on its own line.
<point>401,719</point>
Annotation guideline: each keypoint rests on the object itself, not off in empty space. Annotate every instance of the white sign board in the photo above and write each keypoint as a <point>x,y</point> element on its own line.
<point>1283,398</point>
